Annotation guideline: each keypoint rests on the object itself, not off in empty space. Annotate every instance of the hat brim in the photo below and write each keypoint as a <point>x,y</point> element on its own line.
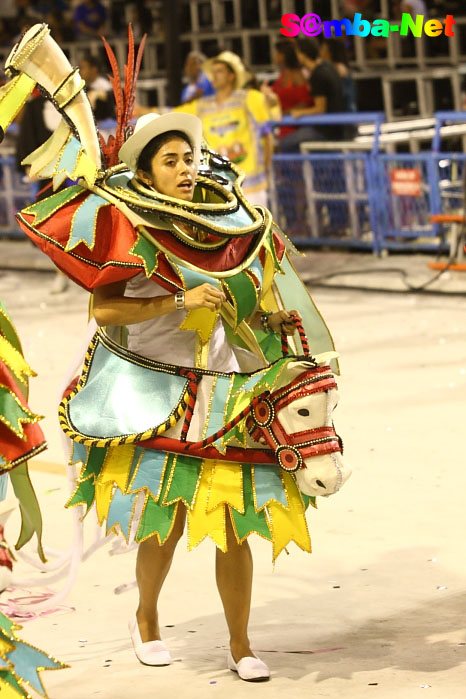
<point>188,124</point>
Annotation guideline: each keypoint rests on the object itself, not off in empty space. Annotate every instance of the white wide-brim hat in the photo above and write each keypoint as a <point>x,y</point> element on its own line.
<point>234,62</point>
<point>151,125</point>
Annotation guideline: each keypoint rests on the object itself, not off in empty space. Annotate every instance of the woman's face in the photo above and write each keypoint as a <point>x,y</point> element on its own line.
<point>173,171</point>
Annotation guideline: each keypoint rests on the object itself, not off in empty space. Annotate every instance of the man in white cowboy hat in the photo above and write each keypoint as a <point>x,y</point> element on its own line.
<point>235,122</point>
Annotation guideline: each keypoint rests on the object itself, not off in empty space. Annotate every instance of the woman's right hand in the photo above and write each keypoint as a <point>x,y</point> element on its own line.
<point>204,296</point>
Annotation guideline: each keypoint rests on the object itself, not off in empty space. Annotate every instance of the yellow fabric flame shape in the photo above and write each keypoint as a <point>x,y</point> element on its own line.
<point>14,360</point>
<point>115,471</point>
<point>13,97</point>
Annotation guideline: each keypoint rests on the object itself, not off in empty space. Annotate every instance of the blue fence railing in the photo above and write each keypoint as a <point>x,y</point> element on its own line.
<point>15,193</point>
<point>364,198</point>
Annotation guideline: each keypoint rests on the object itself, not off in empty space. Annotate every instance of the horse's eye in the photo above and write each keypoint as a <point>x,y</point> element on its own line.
<point>304,412</point>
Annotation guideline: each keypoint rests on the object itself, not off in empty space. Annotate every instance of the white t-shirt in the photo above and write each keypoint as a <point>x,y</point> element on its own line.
<point>414,7</point>
<point>161,338</point>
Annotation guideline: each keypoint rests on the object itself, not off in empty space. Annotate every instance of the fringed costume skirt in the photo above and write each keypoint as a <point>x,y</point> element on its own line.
<point>127,417</point>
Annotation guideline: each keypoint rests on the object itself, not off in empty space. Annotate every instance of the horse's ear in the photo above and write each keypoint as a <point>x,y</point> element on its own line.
<point>294,368</point>
<point>325,358</point>
<point>290,372</point>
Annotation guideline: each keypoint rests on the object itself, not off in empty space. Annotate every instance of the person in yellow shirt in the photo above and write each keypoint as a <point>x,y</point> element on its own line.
<point>235,123</point>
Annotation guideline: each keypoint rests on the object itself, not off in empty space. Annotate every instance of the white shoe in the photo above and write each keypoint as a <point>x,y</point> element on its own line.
<point>151,652</point>
<point>249,669</point>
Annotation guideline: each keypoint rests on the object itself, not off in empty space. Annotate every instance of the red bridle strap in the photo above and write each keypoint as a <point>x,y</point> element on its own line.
<point>265,426</point>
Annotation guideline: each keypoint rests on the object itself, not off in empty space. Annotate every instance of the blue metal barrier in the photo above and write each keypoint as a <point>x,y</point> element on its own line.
<point>351,199</point>
<point>324,198</point>
<point>328,198</point>
<point>337,119</point>
<point>15,194</point>
<point>367,198</point>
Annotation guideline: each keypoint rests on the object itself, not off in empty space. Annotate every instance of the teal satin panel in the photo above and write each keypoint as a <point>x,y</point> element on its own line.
<point>193,278</point>
<point>121,398</point>
<point>26,661</point>
<point>237,219</point>
<point>78,453</point>
<point>218,404</point>
<point>70,155</point>
<point>120,511</point>
<point>295,296</point>
<point>3,482</point>
<point>66,161</point>
<point>149,471</point>
<point>251,382</point>
<point>84,220</point>
<point>256,267</point>
<point>269,485</point>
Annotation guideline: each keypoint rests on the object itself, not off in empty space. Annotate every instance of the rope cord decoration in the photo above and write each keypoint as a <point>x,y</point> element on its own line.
<point>192,392</point>
<point>302,337</point>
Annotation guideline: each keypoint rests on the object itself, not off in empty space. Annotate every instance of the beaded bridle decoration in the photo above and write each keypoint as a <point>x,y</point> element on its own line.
<point>264,425</point>
<point>262,414</point>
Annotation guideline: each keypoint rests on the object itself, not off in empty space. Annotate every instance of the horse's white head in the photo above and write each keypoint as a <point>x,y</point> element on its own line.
<point>301,406</point>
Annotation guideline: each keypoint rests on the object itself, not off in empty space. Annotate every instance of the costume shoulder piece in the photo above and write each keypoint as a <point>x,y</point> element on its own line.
<point>109,219</point>
<point>109,227</point>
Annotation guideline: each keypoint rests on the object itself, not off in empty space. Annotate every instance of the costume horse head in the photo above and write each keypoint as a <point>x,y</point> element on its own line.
<point>296,421</point>
<point>281,414</point>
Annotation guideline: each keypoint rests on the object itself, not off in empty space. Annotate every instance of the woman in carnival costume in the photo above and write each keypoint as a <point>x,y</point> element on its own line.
<point>192,287</point>
<point>21,438</point>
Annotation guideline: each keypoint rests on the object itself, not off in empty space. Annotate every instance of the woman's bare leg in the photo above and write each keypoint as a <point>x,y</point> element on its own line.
<point>234,582</point>
<point>152,565</point>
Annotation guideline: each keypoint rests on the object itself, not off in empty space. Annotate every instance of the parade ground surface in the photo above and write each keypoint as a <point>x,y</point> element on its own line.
<point>378,610</point>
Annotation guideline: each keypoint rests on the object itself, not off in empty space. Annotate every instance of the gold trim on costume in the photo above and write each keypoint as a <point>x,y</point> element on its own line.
<point>17,57</point>
<point>217,275</point>
<point>66,425</point>
<point>69,88</point>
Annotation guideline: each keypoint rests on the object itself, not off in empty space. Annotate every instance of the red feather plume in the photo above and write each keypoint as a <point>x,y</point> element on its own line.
<point>124,98</point>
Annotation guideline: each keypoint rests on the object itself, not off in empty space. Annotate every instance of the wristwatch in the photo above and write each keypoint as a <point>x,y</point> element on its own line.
<point>265,322</point>
<point>179,300</point>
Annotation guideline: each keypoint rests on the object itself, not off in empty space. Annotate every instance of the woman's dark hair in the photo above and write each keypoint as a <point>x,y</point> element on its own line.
<point>310,47</point>
<point>93,61</point>
<point>337,50</point>
<point>151,148</point>
<point>288,51</point>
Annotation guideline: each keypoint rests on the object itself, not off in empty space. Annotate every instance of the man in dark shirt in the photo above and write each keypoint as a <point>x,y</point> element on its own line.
<point>326,89</point>
<point>89,18</point>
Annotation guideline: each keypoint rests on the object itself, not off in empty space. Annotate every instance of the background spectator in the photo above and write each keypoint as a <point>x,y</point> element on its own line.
<point>90,18</point>
<point>235,124</point>
<point>29,9</point>
<point>98,88</point>
<point>199,84</point>
<point>60,28</point>
<point>334,50</point>
<point>326,89</point>
<point>5,33</point>
<point>291,86</point>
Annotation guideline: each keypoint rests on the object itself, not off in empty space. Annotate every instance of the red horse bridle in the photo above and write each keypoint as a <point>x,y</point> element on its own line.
<point>262,414</point>
<point>264,425</point>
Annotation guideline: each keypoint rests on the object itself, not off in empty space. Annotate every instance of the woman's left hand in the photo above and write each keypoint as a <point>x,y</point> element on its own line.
<point>283,320</point>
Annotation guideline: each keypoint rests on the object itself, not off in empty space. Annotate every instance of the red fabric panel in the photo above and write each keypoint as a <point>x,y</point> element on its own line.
<point>11,446</point>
